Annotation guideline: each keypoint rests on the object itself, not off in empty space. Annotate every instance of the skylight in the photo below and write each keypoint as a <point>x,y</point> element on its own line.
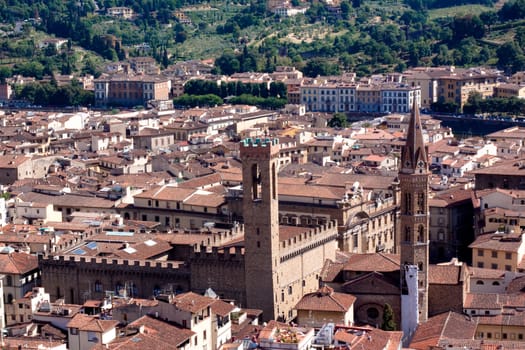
<point>130,250</point>
<point>150,243</point>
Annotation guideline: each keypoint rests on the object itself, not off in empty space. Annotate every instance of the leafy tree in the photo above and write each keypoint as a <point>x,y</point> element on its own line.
<point>320,66</point>
<point>443,57</point>
<point>520,37</point>
<point>467,26</point>
<point>345,9</point>
<point>444,107</point>
<point>277,89</point>
<point>473,104</point>
<point>228,63</point>
<point>30,69</point>
<point>489,18</point>
<point>512,10</point>
<point>269,103</point>
<point>49,94</point>
<point>389,323</point>
<point>511,106</point>
<point>247,60</point>
<point>339,120</point>
<point>347,61</point>
<point>5,72</point>
<point>90,67</point>
<point>510,57</point>
<point>413,17</point>
<point>181,37</point>
<point>208,100</point>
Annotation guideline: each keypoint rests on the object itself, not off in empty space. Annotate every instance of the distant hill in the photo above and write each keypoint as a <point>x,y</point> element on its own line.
<point>363,36</point>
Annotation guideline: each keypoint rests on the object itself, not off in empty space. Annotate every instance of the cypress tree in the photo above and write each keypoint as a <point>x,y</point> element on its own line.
<point>389,324</point>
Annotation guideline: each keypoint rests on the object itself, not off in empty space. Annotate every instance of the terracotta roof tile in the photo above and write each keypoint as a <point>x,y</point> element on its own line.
<point>17,263</point>
<point>205,199</point>
<point>330,270</point>
<point>516,285</point>
<point>171,193</point>
<point>202,181</point>
<point>368,338</point>
<point>444,274</point>
<point>482,301</point>
<point>446,325</point>
<point>325,299</point>
<point>221,308</point>
<point>192,302</point>
<point>479,272</point>
<point>312,191</point>
<point>366,181</point>
<point>156,334</point>
<point>91,324</point>
<point>372,262</point>
<point>498,242</point>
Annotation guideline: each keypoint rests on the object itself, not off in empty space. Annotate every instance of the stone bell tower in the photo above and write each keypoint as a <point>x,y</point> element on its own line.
<point>261,223</point>
<point>413,235</point>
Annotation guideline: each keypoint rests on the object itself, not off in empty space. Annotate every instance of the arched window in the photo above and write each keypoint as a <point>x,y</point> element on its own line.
<point>98,287</point>
<point>495,283</point>
<point>420,203</point>
<point>256,178</point>
<point>408,203</point>
<point>480,283</point>
<point>372,312</point>
<point>420,233</point>
<point>274,182</point>
<point>407,234</point>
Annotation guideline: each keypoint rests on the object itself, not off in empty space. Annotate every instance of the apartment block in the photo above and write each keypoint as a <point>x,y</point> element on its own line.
<point>125,90</point>
<point>356,97</point>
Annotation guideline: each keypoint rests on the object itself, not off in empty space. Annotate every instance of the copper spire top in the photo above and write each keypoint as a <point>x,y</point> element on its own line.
<point>414,152</point>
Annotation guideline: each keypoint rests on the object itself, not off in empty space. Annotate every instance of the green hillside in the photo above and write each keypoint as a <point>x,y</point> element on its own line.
<point>364,36</point>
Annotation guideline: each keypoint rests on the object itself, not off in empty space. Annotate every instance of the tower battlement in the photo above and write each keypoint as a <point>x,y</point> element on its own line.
<point>307,240</point>
<point>215,254</point>
<point>218,238</point>
<point>92,262</point>
<point>260,148</point>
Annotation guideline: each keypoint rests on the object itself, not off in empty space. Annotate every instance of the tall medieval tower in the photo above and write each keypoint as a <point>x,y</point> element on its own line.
<point>261,223</point>
<point>414,222</point>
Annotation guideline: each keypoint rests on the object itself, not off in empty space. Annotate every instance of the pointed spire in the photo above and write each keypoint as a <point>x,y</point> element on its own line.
<point>414,153</point>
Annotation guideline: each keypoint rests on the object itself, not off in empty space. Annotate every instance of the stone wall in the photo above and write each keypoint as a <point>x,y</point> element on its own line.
<point>78,279</point>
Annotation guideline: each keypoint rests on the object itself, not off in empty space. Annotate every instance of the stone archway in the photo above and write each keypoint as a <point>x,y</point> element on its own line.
<point>356,228</point>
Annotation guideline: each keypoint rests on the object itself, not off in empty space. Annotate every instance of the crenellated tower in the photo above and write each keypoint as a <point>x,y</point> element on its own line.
<point>261,223</point>
<point>413,232</point>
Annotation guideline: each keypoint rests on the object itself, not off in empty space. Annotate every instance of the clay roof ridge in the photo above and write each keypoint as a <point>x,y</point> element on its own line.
<point>99,324</point>
<point>441,334</point>
<point>13,262</point>
<point>389,258</point>
<point>331,296</point>
<point>159,190</point>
